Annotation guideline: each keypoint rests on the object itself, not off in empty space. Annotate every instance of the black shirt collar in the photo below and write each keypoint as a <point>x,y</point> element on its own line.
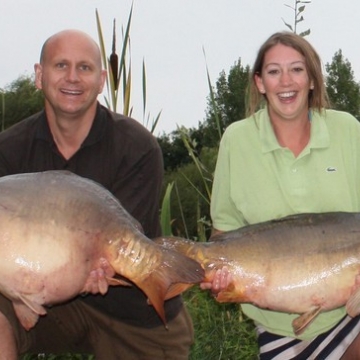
<point>96,131</point>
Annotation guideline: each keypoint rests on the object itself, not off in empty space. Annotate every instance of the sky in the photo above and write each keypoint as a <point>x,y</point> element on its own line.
<point>178,40</point>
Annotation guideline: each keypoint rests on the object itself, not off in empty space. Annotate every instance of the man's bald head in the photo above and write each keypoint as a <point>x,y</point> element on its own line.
<point>75,36</point>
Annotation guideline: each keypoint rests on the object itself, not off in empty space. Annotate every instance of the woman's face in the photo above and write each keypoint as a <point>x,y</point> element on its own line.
<point>285,82</point>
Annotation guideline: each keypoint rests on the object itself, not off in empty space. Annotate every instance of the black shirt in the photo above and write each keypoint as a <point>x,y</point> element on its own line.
<point>124,157</point>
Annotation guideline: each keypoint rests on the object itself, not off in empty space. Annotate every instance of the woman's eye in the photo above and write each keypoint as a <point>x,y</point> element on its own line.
<point>298,69</point>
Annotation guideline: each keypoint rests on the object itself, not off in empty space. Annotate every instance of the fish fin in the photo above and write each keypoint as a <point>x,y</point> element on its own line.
<point>229,295</point>
<point>118,282</point>
<point>176,289</point>
<point>35,307</point>
<point>303,321</point>
<point>353,303</point>
<point>28,312</point>
<point>26,316</point>
<point>156,294</point>
<point>175,268</point>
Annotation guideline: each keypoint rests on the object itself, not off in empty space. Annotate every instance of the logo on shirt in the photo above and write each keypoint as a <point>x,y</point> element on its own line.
<point>330,169</point>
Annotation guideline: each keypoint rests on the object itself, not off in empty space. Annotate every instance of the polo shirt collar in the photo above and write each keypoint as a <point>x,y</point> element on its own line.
<point>96,131</point>
<point>319,137</point>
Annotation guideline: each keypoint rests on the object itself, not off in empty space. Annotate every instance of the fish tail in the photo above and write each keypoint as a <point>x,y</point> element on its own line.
<point>174,275</point>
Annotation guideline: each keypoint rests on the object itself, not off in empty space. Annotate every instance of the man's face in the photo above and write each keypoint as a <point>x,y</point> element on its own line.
<point>70,75</point>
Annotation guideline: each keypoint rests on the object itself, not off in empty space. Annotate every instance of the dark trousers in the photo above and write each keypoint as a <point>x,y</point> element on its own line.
<point>77,327</point>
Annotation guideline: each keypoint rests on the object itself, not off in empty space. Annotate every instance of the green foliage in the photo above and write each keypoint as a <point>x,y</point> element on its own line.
<point>174,151</point>
<point>189,202</point>
<point>228,104</point>
<point>190,155</point>
<point>191,146</point>
<point>20,100</point>
<point>221,330</point>
<point>165,217</point>
<point>298,10</point>
<point>342,88</point>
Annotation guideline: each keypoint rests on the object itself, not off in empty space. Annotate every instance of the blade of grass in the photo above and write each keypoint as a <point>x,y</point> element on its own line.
<point>165,217</point>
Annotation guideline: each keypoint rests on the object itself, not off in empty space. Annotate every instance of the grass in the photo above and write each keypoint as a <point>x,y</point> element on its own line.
<point>221,330</point>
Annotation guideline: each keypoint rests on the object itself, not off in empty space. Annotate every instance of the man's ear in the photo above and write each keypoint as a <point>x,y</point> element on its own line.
<point>38,75</point>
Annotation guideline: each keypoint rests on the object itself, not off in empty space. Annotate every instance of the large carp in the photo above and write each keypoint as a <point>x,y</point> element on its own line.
<point>57,228</point>
<point>302,264</point>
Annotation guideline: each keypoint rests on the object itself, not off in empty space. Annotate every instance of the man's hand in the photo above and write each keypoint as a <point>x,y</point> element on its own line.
<point>98,279</point>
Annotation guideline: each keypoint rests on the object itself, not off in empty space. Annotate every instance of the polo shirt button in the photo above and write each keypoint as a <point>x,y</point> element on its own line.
<point>294,170</point>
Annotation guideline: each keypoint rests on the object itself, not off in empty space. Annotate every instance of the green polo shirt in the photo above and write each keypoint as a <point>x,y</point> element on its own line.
<point>258,180</point>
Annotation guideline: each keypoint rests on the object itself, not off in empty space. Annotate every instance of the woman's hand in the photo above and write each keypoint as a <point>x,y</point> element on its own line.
<point>220,281</point>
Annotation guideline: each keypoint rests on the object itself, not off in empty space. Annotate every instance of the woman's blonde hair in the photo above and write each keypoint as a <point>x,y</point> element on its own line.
<point>318,98</point>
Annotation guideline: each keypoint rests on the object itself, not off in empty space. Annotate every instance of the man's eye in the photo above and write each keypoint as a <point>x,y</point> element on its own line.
<point>61,65</point>
<point>85,67</point>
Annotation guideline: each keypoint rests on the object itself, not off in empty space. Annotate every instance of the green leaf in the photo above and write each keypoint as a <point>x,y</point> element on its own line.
<point>144,86</point>
<point>155,122</point>
<point>299,20</point>
<point>102,46</point>
<point>288,25</point>
<point>212,97</point>
<point>127,94</point>
<point>165,218</point>
<point>301,9</point>
<point>305,33</point>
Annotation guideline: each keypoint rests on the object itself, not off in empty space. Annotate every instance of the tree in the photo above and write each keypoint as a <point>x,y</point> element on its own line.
<point>174,151</point>
<point>21,99</point>
<point>343,90</point>
<point>229,106</point>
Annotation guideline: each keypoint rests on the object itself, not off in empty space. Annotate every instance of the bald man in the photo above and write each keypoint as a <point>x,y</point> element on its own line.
<point>74,132</point>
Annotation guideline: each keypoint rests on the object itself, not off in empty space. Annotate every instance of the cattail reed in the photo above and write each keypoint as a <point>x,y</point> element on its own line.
<point>114,61</point>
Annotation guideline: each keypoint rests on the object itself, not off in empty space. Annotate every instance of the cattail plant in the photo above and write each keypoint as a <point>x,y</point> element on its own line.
<point>117,72</point>
<point>119,78</point>
<point>114,59</point>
